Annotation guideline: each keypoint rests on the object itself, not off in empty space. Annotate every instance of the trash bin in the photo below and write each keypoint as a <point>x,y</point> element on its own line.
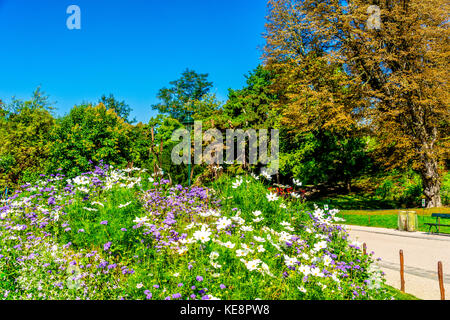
<point>412,221</point>
<point>402,220</point>
<point>408,221</point>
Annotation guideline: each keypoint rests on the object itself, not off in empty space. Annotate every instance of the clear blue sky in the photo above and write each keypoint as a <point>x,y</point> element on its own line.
<point>128,48</point>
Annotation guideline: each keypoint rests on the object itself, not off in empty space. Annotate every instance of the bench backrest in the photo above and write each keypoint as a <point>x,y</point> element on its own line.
<point>441,215</point>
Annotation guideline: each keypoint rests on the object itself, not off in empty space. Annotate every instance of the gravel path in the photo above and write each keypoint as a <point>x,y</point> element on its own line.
<point>421,251</point>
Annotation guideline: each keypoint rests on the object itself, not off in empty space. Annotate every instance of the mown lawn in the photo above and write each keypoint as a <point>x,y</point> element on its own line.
<point>398,295</point>
<point>389,218</point>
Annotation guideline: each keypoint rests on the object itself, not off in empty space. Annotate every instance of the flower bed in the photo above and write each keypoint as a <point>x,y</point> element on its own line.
<point>123,234</point>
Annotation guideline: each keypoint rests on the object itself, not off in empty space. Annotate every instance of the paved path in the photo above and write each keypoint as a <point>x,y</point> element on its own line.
<point>421,251</point>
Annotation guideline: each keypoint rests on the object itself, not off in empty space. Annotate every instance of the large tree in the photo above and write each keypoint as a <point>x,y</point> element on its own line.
<point>178,100</point>
<point>25,132</point>
<point>339,65</point>
<point>121,108</point>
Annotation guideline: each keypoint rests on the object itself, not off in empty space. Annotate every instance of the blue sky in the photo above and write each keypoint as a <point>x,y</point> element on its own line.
<point>128,48</point>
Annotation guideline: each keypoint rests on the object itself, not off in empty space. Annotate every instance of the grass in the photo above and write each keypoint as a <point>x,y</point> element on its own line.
<point>389,218</point>
<point>398,295</point>
<point>353,201</point>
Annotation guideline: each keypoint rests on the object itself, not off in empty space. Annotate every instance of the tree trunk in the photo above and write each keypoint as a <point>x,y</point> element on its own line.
<point>431,183</point>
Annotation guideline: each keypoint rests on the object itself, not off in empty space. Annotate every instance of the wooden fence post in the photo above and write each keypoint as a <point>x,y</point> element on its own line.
<point>441,280</point>
<point>402,272</point>
<point>364,248</point>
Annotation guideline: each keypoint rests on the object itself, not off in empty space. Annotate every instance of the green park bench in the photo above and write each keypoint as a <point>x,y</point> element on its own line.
<point>438,223</point>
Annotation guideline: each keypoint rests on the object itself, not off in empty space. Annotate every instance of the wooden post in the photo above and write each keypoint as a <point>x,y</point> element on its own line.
<point>402,272</point>
<point>441,280</point>
<point>364,248</point>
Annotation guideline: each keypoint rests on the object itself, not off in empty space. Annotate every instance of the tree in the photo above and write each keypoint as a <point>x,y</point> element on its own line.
<point>25,131</point>
<point>178,99</point>
<point>122,109</point>
<point>89,134</point>
<point>336,69</point>
<point>250,107</point>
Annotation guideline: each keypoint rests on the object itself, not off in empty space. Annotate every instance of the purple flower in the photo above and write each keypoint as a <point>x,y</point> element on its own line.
<point>199,278</point>
<point>123,229</point>
<point>104,222</point>
<point>176,296</point>
<point>222,286</point>
<point>107,246</point>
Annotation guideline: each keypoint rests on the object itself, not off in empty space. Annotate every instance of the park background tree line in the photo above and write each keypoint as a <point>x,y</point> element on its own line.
<point>360,110</point>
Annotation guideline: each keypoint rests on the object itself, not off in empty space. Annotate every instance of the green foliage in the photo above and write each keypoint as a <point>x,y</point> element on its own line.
<point>25,133</point>
<point>445,189</point>
<point>122,109</point>
<point>251,106</point>
<point>89,134</point>
<point>403,188</point>
<point>323,158</point>
<point>176,101</point>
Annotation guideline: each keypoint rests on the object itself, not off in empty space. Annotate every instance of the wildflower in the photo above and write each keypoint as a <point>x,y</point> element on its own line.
<point>253,265</point>
<point>199,278</point>
<point>289,261</point>
<point>229,245</point>
<point>90,209</point>
<point>316,272</point>
<point>305,270</point>
<point>327,260</point>
<point>139,285</point>
<point>106,246</point>
<point>257,213</point>
<point>124,205</point>
<point>241,253</point>
<point>223,223</point>
<point>141,220</point>
<point>98,203</point>
<point>104,223</point>
<point>320,245</point>
<point>203,235</point>
<point>214,255</point>
<point>247,228</point>
<point>272,197</point>
<point>295,195</point>
<point>237,184</point>
<point>266,175</point>
<point>259,239</point>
